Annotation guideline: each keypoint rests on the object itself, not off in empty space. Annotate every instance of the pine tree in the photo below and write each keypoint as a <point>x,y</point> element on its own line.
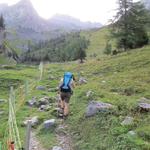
<point>2,25</point>
<point>108,48</point>
<point>129,25</point>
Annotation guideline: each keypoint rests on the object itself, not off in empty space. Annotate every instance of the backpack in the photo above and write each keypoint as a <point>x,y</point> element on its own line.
<point>65,87</point>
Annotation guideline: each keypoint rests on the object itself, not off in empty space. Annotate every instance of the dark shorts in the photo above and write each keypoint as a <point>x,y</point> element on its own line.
<point>65,96</point>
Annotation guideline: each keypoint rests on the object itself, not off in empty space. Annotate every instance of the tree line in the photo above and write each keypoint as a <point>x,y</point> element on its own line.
<point>129,27</point>
<point>67,47</point>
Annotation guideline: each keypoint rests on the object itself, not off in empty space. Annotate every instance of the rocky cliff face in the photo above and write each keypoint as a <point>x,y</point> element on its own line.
<point>23,15</point>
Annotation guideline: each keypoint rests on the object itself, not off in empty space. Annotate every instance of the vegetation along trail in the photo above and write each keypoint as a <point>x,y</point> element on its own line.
<point>109,107</point>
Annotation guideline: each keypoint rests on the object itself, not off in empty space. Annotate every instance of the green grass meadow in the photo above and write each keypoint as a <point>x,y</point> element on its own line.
<point>120,80</point>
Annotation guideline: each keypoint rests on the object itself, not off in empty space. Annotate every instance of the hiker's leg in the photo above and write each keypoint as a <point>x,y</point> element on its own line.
<point>67,99</point>
<point>62,104</point>
<point>66,109</point>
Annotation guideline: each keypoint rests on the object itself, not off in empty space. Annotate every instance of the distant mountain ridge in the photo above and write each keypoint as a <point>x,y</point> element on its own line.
<point>72,23</point>
<point>23,15</point>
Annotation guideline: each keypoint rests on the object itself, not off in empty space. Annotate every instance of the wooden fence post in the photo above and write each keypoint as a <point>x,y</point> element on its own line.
<point>27,146</point>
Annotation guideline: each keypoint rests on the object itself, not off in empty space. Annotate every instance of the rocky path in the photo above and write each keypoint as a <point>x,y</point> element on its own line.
<point>64,137</point>
<point>34,143</point>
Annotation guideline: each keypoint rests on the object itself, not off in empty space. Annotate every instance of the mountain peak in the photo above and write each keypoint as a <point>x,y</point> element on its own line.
<point>25,3</point>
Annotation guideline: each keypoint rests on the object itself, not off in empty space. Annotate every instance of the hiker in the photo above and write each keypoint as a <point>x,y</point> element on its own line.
<point>66,90</point>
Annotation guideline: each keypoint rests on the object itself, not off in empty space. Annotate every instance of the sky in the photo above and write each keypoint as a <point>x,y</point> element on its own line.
<point>85,10</point>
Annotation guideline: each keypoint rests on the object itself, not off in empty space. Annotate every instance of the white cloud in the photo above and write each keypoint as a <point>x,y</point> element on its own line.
<point>85,10</point>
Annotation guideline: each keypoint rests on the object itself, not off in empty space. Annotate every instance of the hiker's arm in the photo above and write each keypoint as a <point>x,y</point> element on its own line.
<point>60,83</point>
<point>73,84</point>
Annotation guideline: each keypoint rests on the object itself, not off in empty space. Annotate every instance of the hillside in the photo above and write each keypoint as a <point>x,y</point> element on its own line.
<point>119,80</point>
<point>97,38</point>
<point>5,60</point>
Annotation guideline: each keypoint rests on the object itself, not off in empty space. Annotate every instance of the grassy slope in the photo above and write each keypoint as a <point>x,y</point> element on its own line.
<point>5,60</point>
<point>127,72</point>
<point>121,73</point>
<point>97,40</point>
<point>124,72</point>
<point>12,76</point>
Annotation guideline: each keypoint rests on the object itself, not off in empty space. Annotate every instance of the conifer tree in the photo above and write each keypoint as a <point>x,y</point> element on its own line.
<point>129,25</point>
<point>2,25</point>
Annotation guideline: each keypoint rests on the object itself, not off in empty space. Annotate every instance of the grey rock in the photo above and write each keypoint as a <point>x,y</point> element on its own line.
<point>82,81</point>
<point>144,100</point>
<point>89,94</point>
<point>34,121</point>
<point>57,148</point>
<point>94,107</point>
<point>51,77</point>
<point>132,133</point>
<point>43,101</point>
<point>127,121</point>
<point>42,88</point>
<point>32,102</point>
<point>44,108</point>
<point>49,123</point>
<point>144,104</point>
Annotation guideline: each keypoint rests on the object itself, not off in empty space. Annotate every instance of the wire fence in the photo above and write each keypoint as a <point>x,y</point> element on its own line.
<point>16,100</point>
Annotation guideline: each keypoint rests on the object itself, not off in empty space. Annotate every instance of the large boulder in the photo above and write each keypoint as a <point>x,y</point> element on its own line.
<point>95,107</point>
<point>144,104</point>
